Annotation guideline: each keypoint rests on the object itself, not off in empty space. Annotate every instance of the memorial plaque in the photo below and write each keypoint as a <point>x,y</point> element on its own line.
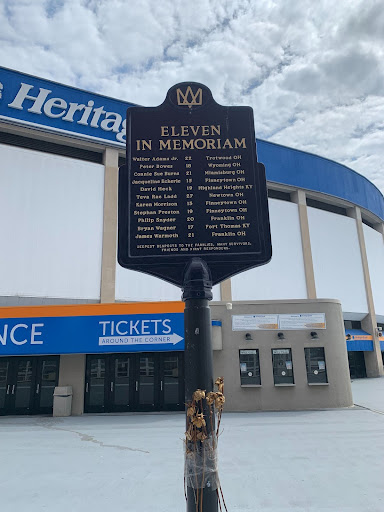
<point>191,187</point>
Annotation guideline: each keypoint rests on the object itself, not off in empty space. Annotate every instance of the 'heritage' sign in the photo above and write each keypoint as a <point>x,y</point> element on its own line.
<point>32,101</point>
<point>191,187</point>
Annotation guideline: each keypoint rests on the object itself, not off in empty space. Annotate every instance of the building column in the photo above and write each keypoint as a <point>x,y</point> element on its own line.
<point>108,265</point>
<point>72,373</point>
<point>373,360</point>
<point>299,197</point>
<point>226,291</point>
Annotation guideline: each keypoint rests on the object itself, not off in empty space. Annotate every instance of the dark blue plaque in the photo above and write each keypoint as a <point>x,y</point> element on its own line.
<point>192,187</point>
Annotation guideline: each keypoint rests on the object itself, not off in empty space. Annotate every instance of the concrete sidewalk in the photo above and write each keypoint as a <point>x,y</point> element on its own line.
<point>369,393</point>
<point>306,461</point>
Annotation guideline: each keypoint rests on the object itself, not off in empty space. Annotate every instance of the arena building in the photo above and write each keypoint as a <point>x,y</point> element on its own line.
<point>61,286</point>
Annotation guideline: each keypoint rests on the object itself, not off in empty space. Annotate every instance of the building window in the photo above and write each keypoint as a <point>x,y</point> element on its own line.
<point>352,324</point>
<point>278,194</point>
<point>315,363</point>
<point>249,367</point>
<point>313,203</point>
<point>367,222</point>
<point>51,147</point>
<point>282,366</point>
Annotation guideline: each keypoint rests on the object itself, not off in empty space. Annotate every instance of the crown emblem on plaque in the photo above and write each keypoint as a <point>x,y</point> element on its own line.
<point>189,98</point>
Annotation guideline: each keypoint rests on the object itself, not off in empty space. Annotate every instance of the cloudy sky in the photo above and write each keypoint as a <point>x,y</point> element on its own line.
<point>312,70</point>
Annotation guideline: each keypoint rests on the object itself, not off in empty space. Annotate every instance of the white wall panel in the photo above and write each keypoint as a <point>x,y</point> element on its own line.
<point>375,253</point>
<point>337,259</point>
<point>283,277</point>
<point>51,225</point>
<point>136,286</point>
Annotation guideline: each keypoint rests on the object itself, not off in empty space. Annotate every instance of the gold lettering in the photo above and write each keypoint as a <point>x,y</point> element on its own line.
<point>184,131</point>
<point>205,130</point>
<point>227,144</point>
<point>178,144</point>
<point>200,142</point>
<point>240,143</point>
<point>215,129</point>
<point>142,145</point>
<point>164,131</point>
<point>188,144</point>
<point>195,130</point>
<point>165,144</point>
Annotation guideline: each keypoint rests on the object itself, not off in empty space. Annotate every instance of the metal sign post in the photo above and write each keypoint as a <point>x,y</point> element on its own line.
<point>193,210</point>
<point>201,477</point>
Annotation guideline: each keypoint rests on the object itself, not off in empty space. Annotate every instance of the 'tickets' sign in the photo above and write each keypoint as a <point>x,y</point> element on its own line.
<point>192,186</point>
<point>91,334</point>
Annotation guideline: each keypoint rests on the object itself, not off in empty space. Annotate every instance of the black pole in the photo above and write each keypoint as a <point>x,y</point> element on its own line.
<point>197,291</point>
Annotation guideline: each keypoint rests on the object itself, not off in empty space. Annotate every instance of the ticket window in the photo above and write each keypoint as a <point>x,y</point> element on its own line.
<point>315,363</point>
<point>282,366</point>
<point>249,367</point>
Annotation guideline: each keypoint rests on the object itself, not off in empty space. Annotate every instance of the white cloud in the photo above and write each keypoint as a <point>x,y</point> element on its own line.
<point>313,71</point>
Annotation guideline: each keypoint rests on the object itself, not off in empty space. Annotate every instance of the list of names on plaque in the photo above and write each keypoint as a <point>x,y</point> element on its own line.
<point>191,191</point>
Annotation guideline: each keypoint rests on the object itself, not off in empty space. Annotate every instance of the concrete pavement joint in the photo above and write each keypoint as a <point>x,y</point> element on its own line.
<point>369,409</point>
<point>86,437</point>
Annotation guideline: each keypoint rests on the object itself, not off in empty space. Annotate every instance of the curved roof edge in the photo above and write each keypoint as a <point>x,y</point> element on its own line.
<point>304,170</point>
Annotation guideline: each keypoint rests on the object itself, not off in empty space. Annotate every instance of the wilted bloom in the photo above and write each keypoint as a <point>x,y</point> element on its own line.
<point>199,394</point>
<point>199,420</point>
<point>219,400</point>
<point>201,436</point>
<point>189,434</point>
<point>210,397</point>
<point>220,384</point>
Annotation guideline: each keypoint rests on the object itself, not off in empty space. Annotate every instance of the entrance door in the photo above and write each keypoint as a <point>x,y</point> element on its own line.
<point>4,384</point>
<point>121,382</point>
<point>147,383</point>
<point>27,384</point>
<point>357,368</point>
<point>47,377</point>
<point>95,386</point>
<point>172,380</point>
<point>110,383</point>
<point>22,388</point>
<point>134,382</point>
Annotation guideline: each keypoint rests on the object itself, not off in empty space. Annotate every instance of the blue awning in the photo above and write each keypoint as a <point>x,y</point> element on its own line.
<point>382,345</point>
<point>358,340</point>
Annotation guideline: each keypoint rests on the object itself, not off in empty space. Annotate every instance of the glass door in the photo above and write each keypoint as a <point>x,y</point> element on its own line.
<point>5,385</point>
<point>134,382</point>
<point>47,376</point>
<point>95,384</point>
<point>121,382</point>
<point>22,388</point>
<point>357,368</point>
<point>27,384</point>
<point>172,381</point>
<point>147,382</point>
